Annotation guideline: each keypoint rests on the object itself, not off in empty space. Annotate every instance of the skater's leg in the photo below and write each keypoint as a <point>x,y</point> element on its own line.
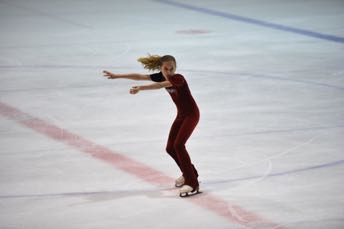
<point>189,171</point>
<point>171,139</point>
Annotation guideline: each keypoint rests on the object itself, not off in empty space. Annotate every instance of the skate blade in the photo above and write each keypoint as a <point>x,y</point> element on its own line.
<point>189,194</point>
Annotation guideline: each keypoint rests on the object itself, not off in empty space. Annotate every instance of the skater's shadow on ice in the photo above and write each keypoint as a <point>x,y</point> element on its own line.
<point>99,196</point>
<point>136,193</point>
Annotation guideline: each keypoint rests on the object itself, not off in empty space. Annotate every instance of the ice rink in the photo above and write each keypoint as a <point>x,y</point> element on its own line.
<point>78,151</point>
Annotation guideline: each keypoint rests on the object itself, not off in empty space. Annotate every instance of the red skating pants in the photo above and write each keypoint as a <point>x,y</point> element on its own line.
<point>180,132</point>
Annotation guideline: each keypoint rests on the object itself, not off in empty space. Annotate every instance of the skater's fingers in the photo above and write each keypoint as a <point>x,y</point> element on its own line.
<point>106,73</point>
<point>134,90</point>
<point>109,75</point>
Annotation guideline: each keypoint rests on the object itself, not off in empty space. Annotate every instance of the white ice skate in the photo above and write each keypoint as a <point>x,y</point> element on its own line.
<point>180,181</point>
<point>187,191</point>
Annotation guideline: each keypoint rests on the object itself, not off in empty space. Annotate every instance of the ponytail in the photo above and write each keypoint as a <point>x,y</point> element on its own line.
<point>154,62</point>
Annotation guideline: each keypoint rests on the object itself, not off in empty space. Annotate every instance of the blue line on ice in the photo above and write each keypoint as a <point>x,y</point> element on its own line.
<point>314,167</point>
<point>253,21</point>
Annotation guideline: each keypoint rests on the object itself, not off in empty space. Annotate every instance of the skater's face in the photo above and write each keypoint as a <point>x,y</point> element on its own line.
<point>168,68</point>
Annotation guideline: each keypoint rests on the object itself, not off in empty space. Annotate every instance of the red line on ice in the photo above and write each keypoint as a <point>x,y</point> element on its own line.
<point>231,212</point>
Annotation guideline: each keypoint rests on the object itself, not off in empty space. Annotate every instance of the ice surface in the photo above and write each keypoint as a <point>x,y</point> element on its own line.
<point>270,139</point>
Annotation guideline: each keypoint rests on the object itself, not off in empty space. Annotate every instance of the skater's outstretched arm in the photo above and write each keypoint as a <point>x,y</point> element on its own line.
<point>159,85</point>
<point>131,76</point>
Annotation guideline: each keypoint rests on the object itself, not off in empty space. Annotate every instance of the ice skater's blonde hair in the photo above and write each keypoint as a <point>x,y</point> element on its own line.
<point>154,62</point>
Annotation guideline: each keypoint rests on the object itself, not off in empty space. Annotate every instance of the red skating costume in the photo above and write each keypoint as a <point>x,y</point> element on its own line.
<point>182,127</point>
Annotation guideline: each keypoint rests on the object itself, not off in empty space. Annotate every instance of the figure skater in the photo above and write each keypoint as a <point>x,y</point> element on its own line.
<point>187,114</point>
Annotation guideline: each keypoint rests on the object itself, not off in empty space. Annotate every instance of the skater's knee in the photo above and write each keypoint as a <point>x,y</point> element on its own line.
<point>169,149</point>
<point>179,147</point>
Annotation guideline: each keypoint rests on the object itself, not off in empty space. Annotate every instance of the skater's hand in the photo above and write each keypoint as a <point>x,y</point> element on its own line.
<point>134,90</point>
<point>109,75</point>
